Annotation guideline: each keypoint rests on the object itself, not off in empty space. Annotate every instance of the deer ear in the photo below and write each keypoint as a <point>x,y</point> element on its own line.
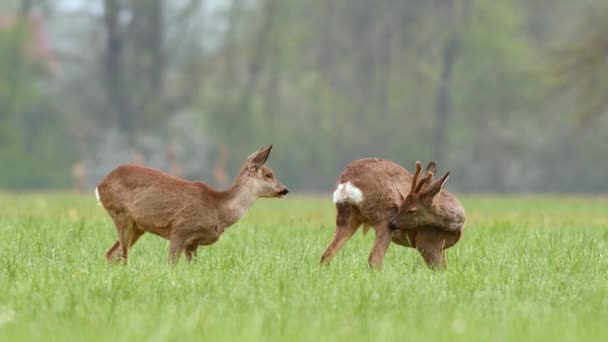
<point>438,185</point>
<point>259,157</point>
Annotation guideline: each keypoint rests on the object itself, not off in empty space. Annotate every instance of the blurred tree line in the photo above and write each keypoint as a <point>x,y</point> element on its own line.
<point>506,94</point>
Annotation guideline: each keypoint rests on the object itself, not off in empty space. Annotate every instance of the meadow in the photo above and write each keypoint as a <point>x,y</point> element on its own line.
<point>527,269</point>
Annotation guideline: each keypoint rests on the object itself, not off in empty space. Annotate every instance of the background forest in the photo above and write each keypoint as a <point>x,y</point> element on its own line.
<point>509,95</point>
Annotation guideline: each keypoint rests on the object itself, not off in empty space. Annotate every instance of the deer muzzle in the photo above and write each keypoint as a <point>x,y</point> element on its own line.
<point>392,226</point>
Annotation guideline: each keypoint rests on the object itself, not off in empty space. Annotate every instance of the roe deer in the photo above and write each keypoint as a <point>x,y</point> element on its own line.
<point>379,193</point>
<point>188,214</point>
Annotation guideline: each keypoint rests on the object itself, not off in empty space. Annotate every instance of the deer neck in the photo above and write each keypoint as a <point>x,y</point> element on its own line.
<point>449,211</point>
<point>238,199</point>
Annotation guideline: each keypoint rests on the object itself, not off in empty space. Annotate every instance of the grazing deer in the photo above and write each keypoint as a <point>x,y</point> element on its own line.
<point>410,211</point>
<point>188,214</point>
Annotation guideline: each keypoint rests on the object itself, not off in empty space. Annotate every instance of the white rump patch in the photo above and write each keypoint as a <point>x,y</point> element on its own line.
<point>97,195</point>
<point>348,193</point>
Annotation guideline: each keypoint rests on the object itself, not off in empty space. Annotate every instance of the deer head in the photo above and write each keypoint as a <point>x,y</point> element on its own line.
<point>417,206</point>
<point>259,177</point>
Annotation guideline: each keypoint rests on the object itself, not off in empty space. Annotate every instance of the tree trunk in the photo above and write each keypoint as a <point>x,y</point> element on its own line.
<point>147,60</point>
<point>458,14</point>
<point>117,92</point>
<point>442,103</point>
<point>257,60</point>
<point>18,57</point>
<point>271,92</point>
<point>255,69</point>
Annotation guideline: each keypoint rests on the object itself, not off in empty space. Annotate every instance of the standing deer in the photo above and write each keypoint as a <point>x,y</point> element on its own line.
<point>188,214</point>
<point>410,211</point>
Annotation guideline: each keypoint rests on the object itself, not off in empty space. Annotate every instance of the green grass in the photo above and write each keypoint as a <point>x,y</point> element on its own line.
<point>527,268</point>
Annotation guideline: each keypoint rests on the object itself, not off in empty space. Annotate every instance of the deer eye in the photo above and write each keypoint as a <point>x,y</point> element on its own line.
<point>268,175</point>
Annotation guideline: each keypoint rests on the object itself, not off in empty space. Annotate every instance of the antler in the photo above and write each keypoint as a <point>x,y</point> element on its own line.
<point>428,176</point>
<point>423,181</point>
<point>434,188</point>
<point>416,175</point>
<point>431,168</point>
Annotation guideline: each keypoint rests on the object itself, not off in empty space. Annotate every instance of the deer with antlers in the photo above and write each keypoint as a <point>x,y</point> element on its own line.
<point>410,210</point>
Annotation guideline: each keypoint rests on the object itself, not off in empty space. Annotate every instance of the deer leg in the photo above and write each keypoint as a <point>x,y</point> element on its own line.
<point>191,251</point>
<point>346,225</point>
<point>111,254</point>
<point>430,242</point>
<point>125,238</point>
<point>113,251</point>
<point>119,223</point>
<point>381,243</point>
<point>124,227</point>
<point>341,235</point>
<point>176,248</point>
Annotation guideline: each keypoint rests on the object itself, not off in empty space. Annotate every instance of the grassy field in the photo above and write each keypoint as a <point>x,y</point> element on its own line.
<point>527,268</point>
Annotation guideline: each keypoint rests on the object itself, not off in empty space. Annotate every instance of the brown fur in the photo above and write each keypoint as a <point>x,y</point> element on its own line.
<point>187,213</point>
<point>393,204</point>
